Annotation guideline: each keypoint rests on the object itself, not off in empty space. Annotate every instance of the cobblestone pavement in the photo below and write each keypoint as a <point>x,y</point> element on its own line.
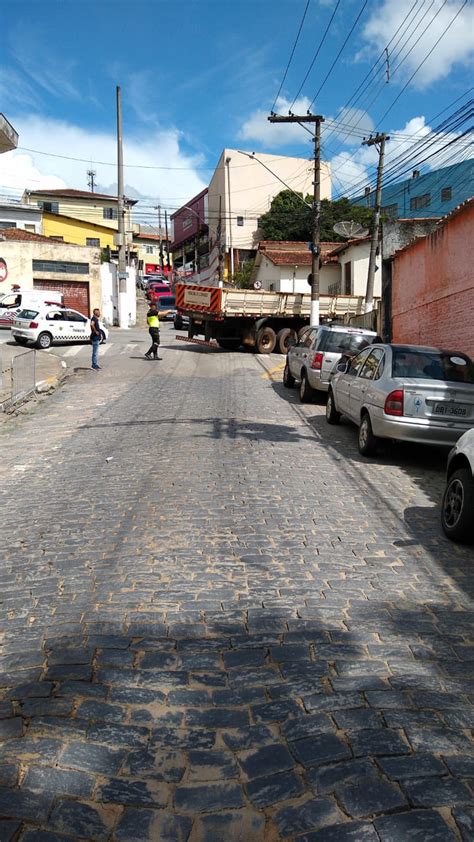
<point>220,623</point>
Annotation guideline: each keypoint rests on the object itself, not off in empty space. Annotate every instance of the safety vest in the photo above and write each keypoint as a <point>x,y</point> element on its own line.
<point>153,320</point>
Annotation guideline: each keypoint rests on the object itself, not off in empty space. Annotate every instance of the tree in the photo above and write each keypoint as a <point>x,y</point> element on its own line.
<point>243,276</point>
<point>288,219</point>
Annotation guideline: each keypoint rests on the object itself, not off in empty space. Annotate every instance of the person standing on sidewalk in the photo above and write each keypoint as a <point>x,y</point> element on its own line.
<point>153,323</point>
<point>95,338</point>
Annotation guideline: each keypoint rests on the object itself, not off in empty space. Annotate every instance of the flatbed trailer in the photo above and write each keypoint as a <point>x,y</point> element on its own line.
<point>265,321</point>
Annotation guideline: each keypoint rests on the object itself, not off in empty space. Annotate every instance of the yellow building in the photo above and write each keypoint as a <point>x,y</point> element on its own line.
<point>69,230</point>
<point>97,208</point>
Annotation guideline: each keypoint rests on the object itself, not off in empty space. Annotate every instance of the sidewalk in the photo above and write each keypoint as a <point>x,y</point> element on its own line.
<point>49,370</point>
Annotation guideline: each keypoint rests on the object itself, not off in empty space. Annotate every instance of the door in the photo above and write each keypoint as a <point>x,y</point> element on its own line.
<point>343,384</point>
<point>56,324</point>
<point>75,293</point>
<point>361,388</point>
<point>299,353</point>
<point>76,326</point>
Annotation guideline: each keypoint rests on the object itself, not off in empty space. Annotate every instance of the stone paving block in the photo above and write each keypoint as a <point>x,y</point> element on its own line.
<point>21,804</point>
<point>354,718</point>
<point>417,824</point>
<point>185,738</point>
<point>464,819</point>
<point>376,742</point>
<point>11,728</point>
<point>91,757</point>
<point>361,801</point>
<point>43,836</point>
<point>460,766</point>
<point>439,740</point>
<point>413,766</point>
<point>333,701</point>
<point>118,735</point>
<point>44,779</point>
<point>273,788</point>
<point>327,778</point>
<point>251,737</point>
<point>217,718</point>
<point>265,761</point>
<point>80,819</point>
<point>138,793</point>
<point>437,792</point>
<point>276,711</point>
<point>306,726</point>
<point>308,815</point>
<point>211,765</point>
<point>319,750</point>
<point>152,826</point>
<point>347,832</point>
<point>202,798</point>
<point>240,826</point>
<point>9,829</point>
<point>93,710</point>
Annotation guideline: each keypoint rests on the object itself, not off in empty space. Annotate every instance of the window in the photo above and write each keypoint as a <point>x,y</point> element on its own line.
<point>340,341</point>
<point>73,316</point>
<point>187,223</point>
<point>419,202</point>
<point>357,362</point>
<point>30,228</point>
<point>149,249</point>
<point>307,338</point>
<point>57,237</point>
<point>446,194</point>
<point>110,213</point>
<point>432,365</point>
<point>348,278</point>
<point>52,207</point>
<point>7,224</point>
<point>373,366</point>
<point>240,220</point>
<point>93,241</point>
<point>390,211</point>
<point>55,316</point>
<point>63,268</point>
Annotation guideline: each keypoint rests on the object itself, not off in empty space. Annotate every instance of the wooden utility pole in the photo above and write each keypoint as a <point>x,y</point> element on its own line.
<point>379,141</point>
<point>161,238</point>
<point>167,243</point>
<point>122,267</point>
<point>317,119</point>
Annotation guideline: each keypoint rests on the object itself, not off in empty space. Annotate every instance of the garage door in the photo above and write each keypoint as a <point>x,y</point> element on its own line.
<point>76,293</point>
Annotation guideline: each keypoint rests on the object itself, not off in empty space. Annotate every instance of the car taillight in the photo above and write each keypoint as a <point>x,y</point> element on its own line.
<point>394,403</point>
<point>34,324</point>
<point>317,361</point>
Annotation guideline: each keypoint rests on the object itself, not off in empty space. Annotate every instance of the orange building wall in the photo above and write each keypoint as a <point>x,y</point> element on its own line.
<point>433,287</point>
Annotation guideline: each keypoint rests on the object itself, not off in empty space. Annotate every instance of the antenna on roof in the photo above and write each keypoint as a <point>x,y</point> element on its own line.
<point>91,174</point>
<point>350,229</point>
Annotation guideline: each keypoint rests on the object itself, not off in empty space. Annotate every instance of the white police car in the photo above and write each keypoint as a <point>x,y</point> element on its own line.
<point>52,323</point>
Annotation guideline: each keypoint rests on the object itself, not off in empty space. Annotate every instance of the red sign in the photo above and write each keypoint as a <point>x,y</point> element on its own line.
<point>3,270</point>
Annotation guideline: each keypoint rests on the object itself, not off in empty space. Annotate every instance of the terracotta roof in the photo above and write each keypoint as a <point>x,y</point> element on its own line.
<point>83,194</point>
<point>154,237</point>
<point>25,236</point>
<point>285,253</point>
<point>343,246</point>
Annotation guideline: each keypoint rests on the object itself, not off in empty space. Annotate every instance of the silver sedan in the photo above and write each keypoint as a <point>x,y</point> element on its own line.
<point>406,392</point>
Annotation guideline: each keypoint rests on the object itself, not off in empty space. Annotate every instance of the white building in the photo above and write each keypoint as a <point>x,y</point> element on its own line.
<point>20,215</point>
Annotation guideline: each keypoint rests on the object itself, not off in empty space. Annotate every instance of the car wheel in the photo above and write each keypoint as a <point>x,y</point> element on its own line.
<point>367,440</point>
<point>266,340</point>
<point>44,341</point>
<point>178,323</point>
<point>288,379</point>
<point>457,507</point>
<point>306,392</point>
<point>284,338</point>
<point>103,340</point>
<point>21,340</point>
<point>332,415</point>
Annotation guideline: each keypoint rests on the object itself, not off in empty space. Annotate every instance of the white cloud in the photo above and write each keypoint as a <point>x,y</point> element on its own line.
<point>257,126</point>
<point>154,148</point>
<point>455,47</point>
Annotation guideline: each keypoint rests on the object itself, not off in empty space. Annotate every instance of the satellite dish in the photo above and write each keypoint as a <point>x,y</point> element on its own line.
<point>350,229</point>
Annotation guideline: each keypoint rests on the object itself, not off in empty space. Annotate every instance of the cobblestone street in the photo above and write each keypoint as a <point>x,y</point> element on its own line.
<point>221,623</point>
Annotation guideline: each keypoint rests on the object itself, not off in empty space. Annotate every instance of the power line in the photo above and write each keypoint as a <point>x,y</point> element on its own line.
<point>315,55</point>
<point>292,52</point>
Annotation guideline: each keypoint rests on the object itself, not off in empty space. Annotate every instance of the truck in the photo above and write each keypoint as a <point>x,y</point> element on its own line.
<point>262,320</point>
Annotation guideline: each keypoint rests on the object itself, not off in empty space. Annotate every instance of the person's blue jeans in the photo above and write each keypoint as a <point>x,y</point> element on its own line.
<point>95,352</point>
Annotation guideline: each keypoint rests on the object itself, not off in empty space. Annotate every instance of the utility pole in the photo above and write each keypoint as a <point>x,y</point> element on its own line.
<point>167,243</point>
<point>91,174</point>
<point>220,256</point>
<point>122,268</point>
<point>231,250</point>
<point>161,238</point>
<point>379,141</point>
<point>317,119</point>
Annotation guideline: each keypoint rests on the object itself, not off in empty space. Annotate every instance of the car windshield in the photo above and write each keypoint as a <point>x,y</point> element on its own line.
<point>27,314</point>
<point>167,301</point>
<point>338,341</point>
<point>432,365</point>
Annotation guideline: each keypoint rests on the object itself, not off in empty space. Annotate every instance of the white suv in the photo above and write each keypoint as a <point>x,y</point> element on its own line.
<point>52,323</point>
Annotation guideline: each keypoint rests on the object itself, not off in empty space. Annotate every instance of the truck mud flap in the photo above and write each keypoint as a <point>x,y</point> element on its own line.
<point>208,344</point>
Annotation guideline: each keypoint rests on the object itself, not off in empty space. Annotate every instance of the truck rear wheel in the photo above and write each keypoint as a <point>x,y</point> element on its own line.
<point>283,337</point>
<point>229,344</point>
<point>266,340</point>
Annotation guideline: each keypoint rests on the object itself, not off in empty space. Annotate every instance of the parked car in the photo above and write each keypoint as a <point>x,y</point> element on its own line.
<point>45,325</point>
<point>313,358</point>
<point>457,507</point>
<point>156,290</point>
<point>167,305</point>
<point>404,392</point>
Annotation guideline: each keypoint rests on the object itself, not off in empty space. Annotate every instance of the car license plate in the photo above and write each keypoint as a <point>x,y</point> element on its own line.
<point>450,410</point>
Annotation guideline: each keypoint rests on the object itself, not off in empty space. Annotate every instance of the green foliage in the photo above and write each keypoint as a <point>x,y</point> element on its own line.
<point>288,219</point>
<point>243,275</point>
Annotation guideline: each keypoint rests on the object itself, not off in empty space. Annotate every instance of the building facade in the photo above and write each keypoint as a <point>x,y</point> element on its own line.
<point>434,193</point>
<point>78,231</point>
<point>20,215</point>
<point>433,285</point>
<point>98,208</point>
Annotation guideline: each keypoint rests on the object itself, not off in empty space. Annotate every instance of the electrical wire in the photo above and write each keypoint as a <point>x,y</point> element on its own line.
<point>315,55</point>
<point>292,53</point>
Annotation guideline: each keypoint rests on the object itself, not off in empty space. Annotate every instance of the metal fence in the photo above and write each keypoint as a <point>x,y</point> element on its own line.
<point>22,379</point>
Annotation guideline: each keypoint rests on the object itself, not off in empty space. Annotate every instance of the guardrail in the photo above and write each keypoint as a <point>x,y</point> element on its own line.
<point>20,382</point>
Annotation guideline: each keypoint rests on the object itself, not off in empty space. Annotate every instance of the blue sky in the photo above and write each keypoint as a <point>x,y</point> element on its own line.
<point>198,75</point>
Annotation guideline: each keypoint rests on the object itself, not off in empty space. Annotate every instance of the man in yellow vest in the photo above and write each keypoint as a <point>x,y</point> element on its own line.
<point>153,323</point>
